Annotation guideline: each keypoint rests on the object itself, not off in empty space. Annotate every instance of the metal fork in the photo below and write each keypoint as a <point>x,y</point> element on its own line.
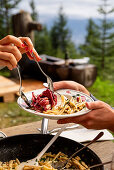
<point>21,93</point>
<point>49,80</point>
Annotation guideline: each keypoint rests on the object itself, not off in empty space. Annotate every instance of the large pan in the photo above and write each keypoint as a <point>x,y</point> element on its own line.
<point>27,146</point>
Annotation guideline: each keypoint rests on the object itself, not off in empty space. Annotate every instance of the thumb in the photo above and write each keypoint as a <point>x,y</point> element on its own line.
<point>94,105</point>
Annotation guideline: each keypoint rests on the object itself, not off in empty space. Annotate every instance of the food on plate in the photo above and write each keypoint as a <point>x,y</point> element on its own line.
<point>68,106</point>
<point>46,161</point>
<point>45,101</point>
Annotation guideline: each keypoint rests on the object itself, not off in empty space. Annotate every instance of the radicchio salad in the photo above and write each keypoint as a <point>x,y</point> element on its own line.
<point>45,101</point>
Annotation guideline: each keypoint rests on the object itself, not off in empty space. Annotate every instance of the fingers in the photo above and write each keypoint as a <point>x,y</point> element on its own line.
<point>70,85</point>
<point>6,63</point>
<point>77,119</point>
<point>11,39</point>
<point>95,105</point>
<point>66,120</point>
<point>29,54</point>
<point>29,49</point>
<point>27,43</point>
<point>38,58</point>
<point>8,57</point>
<point>11,49</point>
<point>62,85</point>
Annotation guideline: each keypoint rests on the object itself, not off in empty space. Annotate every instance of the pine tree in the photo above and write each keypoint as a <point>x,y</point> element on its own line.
<point>34,13</point>
<point>99,42</point>
<point>60,34</point>
<point>91,47</point>
<point>106,36</point>
<point>43,42</point>
<point>6,7</point>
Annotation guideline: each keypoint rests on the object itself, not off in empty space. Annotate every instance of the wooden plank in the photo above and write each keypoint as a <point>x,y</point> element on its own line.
<point>9,97</point>
<point>5,82</point>
<point>10,89</point>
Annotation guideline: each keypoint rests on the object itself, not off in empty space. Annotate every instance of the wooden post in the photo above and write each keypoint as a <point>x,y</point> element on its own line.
<point>23,25</point>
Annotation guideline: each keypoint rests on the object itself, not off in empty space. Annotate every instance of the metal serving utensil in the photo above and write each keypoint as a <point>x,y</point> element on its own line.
<point>21,93</point>
<point>49,80</point>
<point>62,165</point>
<point>34,161</point>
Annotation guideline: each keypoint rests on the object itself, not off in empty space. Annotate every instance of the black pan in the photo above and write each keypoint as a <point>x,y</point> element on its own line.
<point>27,146</point>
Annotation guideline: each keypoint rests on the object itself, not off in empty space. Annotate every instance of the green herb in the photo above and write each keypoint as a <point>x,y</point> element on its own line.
<point>42,159</point>
<point>78,95</point>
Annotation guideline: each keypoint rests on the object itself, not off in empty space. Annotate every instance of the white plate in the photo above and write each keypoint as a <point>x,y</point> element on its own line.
<point>67,92</point>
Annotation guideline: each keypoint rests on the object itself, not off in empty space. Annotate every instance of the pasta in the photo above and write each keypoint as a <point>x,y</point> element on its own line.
<point>46,161</point>
<point>11,165</point>
<point>68,106</point>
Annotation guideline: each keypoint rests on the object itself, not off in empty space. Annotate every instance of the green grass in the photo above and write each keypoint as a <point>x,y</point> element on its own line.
<point>5,72</point>
<point>103,90</point>
<point>11,114</point>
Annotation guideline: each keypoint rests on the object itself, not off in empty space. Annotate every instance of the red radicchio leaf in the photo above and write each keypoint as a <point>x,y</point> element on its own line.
<point>44,101</point>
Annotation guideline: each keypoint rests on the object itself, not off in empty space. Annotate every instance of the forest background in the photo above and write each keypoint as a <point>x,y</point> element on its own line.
<point>98,45</point>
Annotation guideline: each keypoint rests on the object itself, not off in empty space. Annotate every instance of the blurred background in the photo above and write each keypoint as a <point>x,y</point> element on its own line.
<point>75,39</point>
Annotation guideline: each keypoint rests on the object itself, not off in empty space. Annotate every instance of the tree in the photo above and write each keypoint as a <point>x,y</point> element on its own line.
<point>43,42</point>
<point>99,41</point>
<point>34,13</point>
<point>92,44</point>
<point>106,35</point>
<point>6,7</point>
<point>60,34</point>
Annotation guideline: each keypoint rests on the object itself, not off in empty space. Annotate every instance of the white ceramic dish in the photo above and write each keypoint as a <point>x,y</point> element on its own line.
<point>67,92</point>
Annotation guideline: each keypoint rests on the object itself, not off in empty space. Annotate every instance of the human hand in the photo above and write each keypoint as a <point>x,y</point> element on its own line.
<point>101,116</point>
<point>12,48</point>
<point>70,85</point>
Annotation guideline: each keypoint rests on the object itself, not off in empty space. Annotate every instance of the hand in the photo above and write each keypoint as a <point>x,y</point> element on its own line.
<point>101,117</point>
<point>70,85</point>
<point>12,48</point>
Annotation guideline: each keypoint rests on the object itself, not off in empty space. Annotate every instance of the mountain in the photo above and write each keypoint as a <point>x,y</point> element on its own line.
<point>76,26</point>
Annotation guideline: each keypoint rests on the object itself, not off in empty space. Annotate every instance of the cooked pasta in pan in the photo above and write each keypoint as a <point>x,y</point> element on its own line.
<point>45,163</point>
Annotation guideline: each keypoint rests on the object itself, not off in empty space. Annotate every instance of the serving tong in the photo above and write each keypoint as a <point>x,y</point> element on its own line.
<point>21,93</point>
<point>44,125</point>
<point>49,80</point>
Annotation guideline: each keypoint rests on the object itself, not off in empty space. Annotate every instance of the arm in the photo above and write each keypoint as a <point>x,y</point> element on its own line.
<point>101,115</point>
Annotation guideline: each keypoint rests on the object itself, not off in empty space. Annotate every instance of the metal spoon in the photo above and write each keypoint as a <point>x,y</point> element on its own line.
<point>62,165</point>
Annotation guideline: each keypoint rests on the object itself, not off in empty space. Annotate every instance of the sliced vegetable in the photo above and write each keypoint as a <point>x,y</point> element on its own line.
<point>45,101</point>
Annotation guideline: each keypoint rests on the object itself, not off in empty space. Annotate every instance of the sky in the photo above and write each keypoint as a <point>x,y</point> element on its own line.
<point>79,9</point>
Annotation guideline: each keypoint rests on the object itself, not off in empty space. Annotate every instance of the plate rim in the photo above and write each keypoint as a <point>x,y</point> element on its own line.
<point>79,113</point>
